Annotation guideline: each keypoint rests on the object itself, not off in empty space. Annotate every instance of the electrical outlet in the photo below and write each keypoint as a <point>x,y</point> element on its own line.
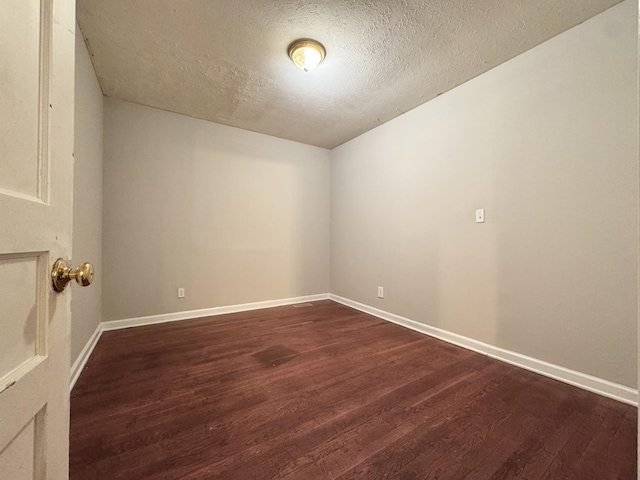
<point>181,292</point>
<point>480,215</point>
<point>380,292</point>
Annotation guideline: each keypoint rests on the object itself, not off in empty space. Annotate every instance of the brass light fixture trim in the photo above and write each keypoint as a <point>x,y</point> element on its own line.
<point>62,274</point>
<point>306,53</point>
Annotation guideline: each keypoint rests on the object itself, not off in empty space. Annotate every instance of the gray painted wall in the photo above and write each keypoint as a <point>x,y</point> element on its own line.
<point>230,215</point>
<point>86,303</point>
<point>547,143</point>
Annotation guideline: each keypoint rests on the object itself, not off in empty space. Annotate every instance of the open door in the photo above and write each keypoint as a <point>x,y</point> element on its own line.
<point>36,182</point>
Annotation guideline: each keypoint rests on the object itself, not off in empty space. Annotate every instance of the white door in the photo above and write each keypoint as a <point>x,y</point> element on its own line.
<point>36,181</point>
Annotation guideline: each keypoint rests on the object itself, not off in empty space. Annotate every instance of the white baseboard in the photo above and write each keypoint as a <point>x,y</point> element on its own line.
<point>572,377</point>
<point>207,312</point>
<point>82,359</point>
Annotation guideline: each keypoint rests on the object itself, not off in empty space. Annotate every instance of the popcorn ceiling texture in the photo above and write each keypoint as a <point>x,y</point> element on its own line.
<point>226,61</point>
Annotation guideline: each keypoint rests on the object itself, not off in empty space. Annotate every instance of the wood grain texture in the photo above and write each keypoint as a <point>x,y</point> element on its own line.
<point>327,392</point>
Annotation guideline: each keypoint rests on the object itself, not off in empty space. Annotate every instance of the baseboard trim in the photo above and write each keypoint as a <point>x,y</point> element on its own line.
<point>207,312</point>
<point>572,377</point>
<point>587,382</point>
<point>81,361</point>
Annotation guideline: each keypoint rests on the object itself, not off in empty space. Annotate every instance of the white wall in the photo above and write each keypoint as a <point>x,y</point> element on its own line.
<point>547,143</point>
<point>86,303</point>
<point>230,215</point>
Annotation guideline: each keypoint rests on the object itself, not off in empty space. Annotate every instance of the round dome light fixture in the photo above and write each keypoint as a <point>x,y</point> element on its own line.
<point>306,53</point>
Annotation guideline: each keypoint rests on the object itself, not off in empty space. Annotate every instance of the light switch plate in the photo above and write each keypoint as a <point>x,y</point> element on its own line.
<point>480,215</point>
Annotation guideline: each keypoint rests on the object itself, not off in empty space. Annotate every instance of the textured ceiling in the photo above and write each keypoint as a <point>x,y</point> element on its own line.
<point>226,61</point>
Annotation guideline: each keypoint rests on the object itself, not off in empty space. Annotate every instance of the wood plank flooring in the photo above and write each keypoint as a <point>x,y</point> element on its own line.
<point>327,392</point>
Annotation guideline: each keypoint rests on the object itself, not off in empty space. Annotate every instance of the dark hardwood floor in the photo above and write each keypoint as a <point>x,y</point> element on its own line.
<point>327,392</point>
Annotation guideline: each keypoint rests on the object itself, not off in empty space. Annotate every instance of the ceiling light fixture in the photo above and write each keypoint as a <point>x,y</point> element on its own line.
<point>306,53</point>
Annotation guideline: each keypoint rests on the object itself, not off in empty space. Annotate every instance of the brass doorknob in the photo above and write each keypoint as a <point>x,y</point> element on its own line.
<point>62,273</point>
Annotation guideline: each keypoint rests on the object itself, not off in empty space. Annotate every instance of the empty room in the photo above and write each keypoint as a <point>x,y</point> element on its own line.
<point>319,240</point>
